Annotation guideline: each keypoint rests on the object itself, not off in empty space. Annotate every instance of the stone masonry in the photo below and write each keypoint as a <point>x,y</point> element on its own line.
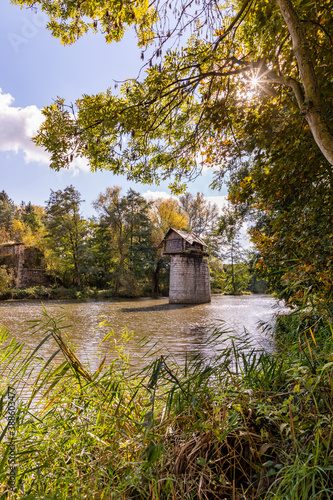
<point>189,280</point>
<point>27,264</point>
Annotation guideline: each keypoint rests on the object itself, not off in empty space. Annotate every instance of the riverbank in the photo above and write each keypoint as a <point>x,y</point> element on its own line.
<point>249,425</point>
<point>62,293</point>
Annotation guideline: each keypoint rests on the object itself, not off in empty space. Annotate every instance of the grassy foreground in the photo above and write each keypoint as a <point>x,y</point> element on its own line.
<point>246,425</point>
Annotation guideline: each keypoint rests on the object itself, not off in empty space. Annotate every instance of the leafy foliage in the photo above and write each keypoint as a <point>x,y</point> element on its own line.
<point>125,231</point>
<point>66,232</point>
<point>6,278</point>
<point>288,201</point>
<point>8,213</point>
<point>69,19</point>
<point>248,71</point>
<point>236,271</point>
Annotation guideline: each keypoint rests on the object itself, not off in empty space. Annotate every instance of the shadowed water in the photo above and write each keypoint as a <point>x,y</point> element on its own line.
<point>174,329</point>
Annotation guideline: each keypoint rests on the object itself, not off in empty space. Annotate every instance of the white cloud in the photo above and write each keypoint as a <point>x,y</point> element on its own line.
<point>221,201</point>
<point>18,126</point>
<point>154,195</point>
<point>78,165</point>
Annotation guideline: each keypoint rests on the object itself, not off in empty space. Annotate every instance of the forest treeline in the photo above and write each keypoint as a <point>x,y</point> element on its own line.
<point>118,249</point>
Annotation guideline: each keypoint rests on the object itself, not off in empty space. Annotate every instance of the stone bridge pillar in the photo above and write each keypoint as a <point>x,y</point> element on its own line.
<point>189,280</point>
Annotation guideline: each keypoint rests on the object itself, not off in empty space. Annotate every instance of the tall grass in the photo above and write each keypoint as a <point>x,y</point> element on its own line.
<point>245,425</point>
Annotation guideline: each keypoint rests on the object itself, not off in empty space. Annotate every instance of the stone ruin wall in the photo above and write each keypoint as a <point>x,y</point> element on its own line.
<point>189,280</point>
<point>24,262</point>
<point>11,249</point>
<point>32,277</point>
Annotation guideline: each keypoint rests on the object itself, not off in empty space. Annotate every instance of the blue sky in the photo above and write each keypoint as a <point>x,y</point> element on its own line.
<point>35,69</point>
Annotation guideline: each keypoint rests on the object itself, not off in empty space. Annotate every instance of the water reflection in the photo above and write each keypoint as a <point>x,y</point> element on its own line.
<point>155,308</point>
<point>166,328</point>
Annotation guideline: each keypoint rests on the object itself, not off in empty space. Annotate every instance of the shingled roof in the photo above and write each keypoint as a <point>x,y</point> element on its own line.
<point>189,237</point>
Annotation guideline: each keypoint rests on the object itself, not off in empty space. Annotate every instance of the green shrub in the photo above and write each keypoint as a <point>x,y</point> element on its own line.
<point>6,278</point>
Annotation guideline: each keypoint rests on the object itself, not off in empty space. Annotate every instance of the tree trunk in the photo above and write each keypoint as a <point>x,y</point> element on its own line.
<point>311,104</point>
<point>120,272</point>
<point>155,285</point>
<point>233,272</point>
<point>77,266</point>
<point>155,288</point>
<point>78,274</point>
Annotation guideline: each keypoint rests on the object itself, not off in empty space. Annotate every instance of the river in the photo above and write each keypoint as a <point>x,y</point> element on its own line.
<point>169,329</point>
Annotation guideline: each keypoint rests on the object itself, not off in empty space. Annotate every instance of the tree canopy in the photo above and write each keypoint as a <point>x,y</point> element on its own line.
<point>244,87</point>
<point>253,62</point>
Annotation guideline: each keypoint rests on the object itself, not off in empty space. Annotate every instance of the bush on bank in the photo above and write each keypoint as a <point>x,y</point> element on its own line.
<point>74,293</point>
<point>246,425</point>
<point>57,293</point>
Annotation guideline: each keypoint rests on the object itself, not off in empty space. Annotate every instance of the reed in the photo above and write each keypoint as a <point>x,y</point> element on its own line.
<point>243,425</point>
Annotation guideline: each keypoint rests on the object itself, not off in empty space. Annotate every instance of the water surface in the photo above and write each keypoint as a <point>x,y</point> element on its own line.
<point>174,329</point>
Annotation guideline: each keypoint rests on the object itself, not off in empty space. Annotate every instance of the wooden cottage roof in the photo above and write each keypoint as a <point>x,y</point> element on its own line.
<point>189,237</point>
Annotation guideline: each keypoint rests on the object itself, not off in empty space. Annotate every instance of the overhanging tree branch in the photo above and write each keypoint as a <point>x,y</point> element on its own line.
<point>312,106</point>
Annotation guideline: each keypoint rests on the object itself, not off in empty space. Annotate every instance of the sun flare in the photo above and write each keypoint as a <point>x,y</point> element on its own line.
<point>254,81</point>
